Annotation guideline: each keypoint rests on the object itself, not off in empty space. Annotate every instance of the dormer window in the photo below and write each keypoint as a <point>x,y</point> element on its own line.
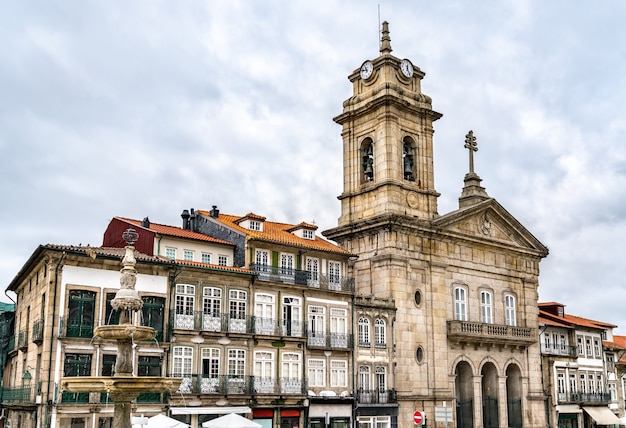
<point>251,221</point>
<point>304,230</point>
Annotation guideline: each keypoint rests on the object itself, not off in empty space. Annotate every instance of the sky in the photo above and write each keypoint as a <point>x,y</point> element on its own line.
<point>146,108</point>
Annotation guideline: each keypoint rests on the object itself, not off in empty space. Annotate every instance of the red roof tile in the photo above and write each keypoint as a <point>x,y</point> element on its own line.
<point>277,233</point>
<point>177,232</point>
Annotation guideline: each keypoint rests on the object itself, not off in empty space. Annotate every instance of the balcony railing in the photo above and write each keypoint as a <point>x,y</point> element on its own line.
<point>19,395</point>
<point>144,397</point>
<point>248,385</point>
<point>67,329</point>
<point>559,349</point>
<point>330,340</point>
<point>303,277</point>
<point>225,323</point>
<point>38,332</point>
<point>492,334</point>
<point>72,329</point>
<point>376,396</point>
<point>584,397</point>
<point>75,397</point>
<point>22,340</point>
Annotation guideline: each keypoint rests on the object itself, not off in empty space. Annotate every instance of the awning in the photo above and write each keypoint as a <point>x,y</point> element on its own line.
<point>602,415</point>
<point>209,410</point>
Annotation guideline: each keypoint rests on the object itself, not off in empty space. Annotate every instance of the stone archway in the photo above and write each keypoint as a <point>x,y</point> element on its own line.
<point>514,396</point>
<point>464,392</point>
<point>490,396</point>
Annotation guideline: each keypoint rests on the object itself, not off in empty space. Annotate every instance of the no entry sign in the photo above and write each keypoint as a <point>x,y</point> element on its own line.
<point>418,417</point>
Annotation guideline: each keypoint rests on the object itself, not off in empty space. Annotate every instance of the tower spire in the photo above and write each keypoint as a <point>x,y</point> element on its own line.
<point>385,40</point>
<point>473,192</point>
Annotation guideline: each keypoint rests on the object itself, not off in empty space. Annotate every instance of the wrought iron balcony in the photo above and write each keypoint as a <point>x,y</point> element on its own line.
<point>303,277</point>
<point>376,396</point>
<point>38,331</point>
<point>74,397</point>
<point>225,323</point>
<point>22,340</point>
<point>330,340</point>
<point>144,397</point>
<point>248,385</point>
<point>71,328</point>
<point>584,397</point>
<point>558,349</point>
<point>20,395</point>
<point>477,333</point>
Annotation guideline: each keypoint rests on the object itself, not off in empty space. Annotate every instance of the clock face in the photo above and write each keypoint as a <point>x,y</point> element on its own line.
<point>406,67</point>
<point>366,70</point>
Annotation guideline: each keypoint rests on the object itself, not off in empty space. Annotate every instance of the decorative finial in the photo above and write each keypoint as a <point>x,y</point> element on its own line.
<point>472,146</point>
<point>130,236</point>
<point>385,41</point>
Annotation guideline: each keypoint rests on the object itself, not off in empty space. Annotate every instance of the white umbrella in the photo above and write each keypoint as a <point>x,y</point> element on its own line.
<point>162,421</point>
<point>232,420</point>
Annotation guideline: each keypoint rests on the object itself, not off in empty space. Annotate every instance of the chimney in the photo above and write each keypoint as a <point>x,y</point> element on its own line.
<point>192,220</point>
<point>185,216</point>
<point>214,212</point>
<point>145,222</point>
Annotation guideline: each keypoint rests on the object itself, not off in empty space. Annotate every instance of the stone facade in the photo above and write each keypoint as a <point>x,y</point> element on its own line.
<point>464,283</point>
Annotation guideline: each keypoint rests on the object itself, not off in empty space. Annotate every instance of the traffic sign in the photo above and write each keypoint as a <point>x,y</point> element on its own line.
<point>418,417</point>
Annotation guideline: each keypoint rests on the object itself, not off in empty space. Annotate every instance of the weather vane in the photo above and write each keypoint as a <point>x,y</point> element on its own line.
<point>472,146</point>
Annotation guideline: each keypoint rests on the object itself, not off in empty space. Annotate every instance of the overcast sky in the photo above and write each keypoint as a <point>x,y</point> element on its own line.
<point>146,108</point>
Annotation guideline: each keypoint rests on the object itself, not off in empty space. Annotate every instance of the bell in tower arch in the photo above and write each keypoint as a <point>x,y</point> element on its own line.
<point>407,157</point>
<point>368,163</point>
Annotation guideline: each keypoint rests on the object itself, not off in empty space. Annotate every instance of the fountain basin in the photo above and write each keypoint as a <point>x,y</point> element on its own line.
<point>124,332</point>
<point>127,385</point>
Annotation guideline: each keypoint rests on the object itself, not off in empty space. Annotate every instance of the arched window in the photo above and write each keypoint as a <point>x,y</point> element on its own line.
<point>460,304</point>
<point>408,159</point>
<point>509,310</point>
<point>486,307</point>
<point>364,332</point>
<point>380,334</point>
<point>367,156</point>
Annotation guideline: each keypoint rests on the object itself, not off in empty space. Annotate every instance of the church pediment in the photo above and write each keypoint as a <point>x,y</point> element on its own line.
<point>489,221</point>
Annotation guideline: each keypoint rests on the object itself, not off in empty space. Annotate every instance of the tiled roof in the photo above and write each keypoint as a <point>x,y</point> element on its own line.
<point>216,267</point>
<point>549,319</point>
<point>277,233</point>
<point>106,252</point>
<point>570,320</point>
<point>303,225</point>
<point>178,232</point>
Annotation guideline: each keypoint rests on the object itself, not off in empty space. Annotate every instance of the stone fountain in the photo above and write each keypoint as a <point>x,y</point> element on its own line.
<point>123,387</point>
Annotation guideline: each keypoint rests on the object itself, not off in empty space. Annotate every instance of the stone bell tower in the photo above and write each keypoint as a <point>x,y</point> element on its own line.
<point>387,141</point>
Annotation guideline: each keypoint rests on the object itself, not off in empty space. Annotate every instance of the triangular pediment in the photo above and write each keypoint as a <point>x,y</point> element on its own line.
<point>489,221</point>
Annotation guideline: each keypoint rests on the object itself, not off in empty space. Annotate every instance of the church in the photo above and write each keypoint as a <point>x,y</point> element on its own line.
<point>464,283</point>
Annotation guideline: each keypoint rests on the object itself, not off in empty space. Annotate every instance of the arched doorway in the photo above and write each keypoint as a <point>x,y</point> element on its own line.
<point>490,396</point>
<point>464,391</point>
<point>514,396</point>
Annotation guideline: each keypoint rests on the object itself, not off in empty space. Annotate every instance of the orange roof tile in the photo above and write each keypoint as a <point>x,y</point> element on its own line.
<point>178,232</point>
<point>215,267</point>
<point>277,233</point>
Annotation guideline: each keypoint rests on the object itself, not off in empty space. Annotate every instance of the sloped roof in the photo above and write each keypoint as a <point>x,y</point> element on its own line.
<point>174,231</point>
<point>512,233</point>
<point>276,233</point>
<point>210,266</point>
<point>568,320</point>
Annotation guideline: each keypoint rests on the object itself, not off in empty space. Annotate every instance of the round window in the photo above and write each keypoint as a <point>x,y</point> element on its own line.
<point>419,354</point>
<point>418,297</point>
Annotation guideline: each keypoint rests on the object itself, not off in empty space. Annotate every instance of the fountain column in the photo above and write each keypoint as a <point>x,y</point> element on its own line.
<point>123,387</point>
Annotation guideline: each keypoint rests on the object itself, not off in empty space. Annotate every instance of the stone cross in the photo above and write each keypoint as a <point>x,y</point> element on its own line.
<point>471,145</point>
